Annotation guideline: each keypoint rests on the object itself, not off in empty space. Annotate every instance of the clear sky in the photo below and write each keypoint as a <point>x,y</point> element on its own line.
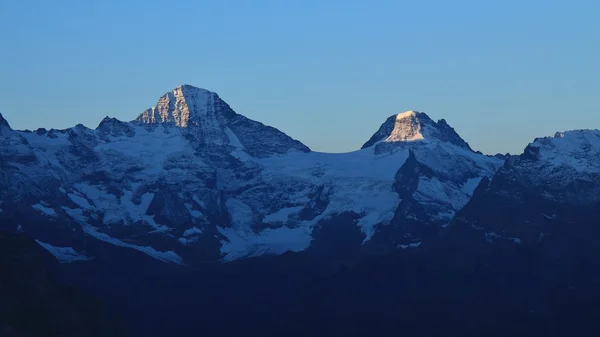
<point>327,72</point>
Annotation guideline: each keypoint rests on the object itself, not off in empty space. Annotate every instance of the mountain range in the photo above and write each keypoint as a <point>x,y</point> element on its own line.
<point>190,184</point>
<point>191,180</point>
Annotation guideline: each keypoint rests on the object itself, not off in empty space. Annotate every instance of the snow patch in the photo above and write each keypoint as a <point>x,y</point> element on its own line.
<point>63,254</point>
<point>199,202</point>
<point>45,210</point>
<point>194,213</point>
<point>192,231</point>
<point>77,215</point>
<point>138,212</point>
<point>241,214</point>
<point>411,245</point>
<point>190,236</point>
<point>470,185</point>
<point>281,215</point>
<point>80,201</point>
<point>168,256</point>
<point>233,139</point>
<point>550,217</point>
<point>268,242</point>
<point>491,237</point>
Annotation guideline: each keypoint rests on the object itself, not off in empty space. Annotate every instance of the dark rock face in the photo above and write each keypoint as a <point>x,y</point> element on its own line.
<point>319,199</point>
<point>115,128</point>
<point>533,228</point>
<point>33,303</point>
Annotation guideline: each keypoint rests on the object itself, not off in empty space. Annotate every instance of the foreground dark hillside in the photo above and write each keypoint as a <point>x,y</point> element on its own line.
<point>430,291</point>
<point>33,304</point>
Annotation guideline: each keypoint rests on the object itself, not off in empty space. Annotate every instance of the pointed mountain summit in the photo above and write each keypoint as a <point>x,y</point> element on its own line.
<point>185,106</point>
<point>210,120</point>
<point>4,124</point>
<point>414,126</point>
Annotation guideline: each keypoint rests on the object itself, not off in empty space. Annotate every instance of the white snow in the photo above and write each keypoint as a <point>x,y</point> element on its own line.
<point>79,200</point>
<point>578,150</point>
<point>541,237</point>
<point>243,242</point>
<point>270,241</point>
<point>199,202</point>
<point>190,236</point>
<point>551,217</point>
<point>138,212</point>
<point>431,189</point>
<point>174,107</point>
<point>192,231</point>
<point>470,185</point>
<point>407,128</point>
<point>281,215</point>
<point>491,236</point>
<point>188,241</point>
<point>117,210</point>
<point>168,256</point>
<point>98,196</point>
<point>77,215</point>
<point>445,217</point>
<point>411,245</point>
<point>233,139</point>
<point>45,210</point>
<point>241,214</point>
<point>194,213</point>
<point>46,149</point>
<point>63,254</point>
<point>150,149</point>
<point>359,181</point>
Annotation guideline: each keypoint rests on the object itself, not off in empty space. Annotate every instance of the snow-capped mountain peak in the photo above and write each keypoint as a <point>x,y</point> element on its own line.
<point>414,126</point>
<point>577,150</point>
<point>407,127</point>
<point>202,115</point>
<point>183,106</point>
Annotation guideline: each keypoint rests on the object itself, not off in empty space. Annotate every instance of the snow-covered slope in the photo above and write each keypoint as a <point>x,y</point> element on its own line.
<point>413,126</point>
<point>563,163</point>
<point>191,180</point>
<point>207,118</point>
<point>550,193</point>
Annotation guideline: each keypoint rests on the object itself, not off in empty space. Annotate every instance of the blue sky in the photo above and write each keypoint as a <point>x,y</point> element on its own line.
<point>326,72</point>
